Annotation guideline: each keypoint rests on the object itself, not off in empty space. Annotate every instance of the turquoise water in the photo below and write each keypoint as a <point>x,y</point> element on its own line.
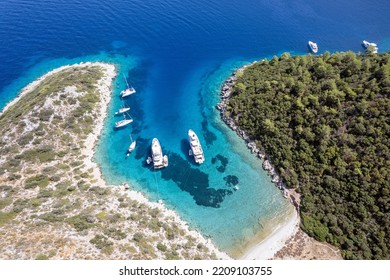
<point>203,195</point>
<point>177,54</point>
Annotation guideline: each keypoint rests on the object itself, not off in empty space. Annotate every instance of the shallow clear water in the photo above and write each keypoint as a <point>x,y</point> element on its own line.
<point>177,54</point>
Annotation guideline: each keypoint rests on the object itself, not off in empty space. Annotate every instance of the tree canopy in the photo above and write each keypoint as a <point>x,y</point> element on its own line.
<point>324,122</point>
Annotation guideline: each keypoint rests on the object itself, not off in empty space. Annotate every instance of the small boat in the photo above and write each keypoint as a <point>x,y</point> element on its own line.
<point>196,149</point>
<point>131,147</point>
<point>122,110</point>
<point>367,45</point>
<point>313,46</point>
<point>159,161</point>
<point>123,123</point>
<point>128,91</point>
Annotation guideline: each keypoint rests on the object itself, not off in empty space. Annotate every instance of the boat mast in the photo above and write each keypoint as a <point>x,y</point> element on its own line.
<point>127,84</point>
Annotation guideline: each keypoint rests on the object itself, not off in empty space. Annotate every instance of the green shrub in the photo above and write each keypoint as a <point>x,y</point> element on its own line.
<point>162,247</point>
<point>41,257</point>
<point>80,222</point>
<point>314,228</point>
<point>138,236</point>
<point>54,216</point>
<point>43,154</point>
<point>45,114</point>
<point>115,233</point>
<point>25,139</point>
<point>5,217</point>
<point>5,202</point>
<point>45,193</point>
<point>102,243</point>
<point>20,204</point>
<point>35,202</point>
<point>40,180</point>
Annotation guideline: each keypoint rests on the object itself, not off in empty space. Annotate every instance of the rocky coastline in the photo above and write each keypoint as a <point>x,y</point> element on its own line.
<point>225,94</point>
<point>299,245</point>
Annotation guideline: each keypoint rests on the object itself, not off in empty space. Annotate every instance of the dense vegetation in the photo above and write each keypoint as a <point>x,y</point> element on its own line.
<point>324,122</point>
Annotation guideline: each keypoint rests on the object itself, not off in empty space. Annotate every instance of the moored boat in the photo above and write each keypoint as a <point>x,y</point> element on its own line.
<point>159,161</point>
<point>131,147</point>
<point>313,46</point>
<point>367,45</point>
<point>122,110</point>
<point>128,91</point>
<point>123,123</point>
<point>196,148</point>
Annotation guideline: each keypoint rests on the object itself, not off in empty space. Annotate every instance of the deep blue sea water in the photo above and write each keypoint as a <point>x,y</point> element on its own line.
<point>177,54</point>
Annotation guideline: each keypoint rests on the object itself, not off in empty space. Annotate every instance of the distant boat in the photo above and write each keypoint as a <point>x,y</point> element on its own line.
<point>159,161</point>
<point>313,46</point>
<point>128,91</point>
<point>373,46</point>
<point>196,148</point>
<point>131,147</point>
<point>366,44</point>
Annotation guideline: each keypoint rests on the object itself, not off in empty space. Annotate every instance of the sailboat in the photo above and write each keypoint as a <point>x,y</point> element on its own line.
<point>128,91</point>
<point>123,122</point>
<point>122,110</point>
<point>131,147</point>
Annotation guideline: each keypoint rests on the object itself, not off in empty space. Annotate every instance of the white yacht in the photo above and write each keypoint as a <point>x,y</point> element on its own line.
<point>159,161</point>
<point>313,46</point>
<point>374,46</point>
<point>196,148</point>
<point>366,44</point>
<point>128,91</point>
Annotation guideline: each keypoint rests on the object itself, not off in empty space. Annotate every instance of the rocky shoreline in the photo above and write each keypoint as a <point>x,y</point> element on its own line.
<point>225,94</point>
<point>299,245</point>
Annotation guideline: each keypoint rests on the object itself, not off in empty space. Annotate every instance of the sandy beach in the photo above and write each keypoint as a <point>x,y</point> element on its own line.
<point>267,248</point>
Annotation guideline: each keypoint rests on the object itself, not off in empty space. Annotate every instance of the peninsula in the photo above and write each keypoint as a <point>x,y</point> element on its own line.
<point>54,203</point>
<point>321,125</point>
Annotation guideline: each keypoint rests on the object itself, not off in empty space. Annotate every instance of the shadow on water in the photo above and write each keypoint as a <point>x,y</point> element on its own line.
<point>221,162</point>
<point>207,134</point>
<point>118,128</point>
<point>231,181</point>
<point>143,150</point>
<point>193,181</point>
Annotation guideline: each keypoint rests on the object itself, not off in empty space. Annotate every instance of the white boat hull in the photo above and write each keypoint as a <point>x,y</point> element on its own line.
<point>127,92</point>
<point>159,160</point>
<point>196,148</point>
<point>123,123</point>
<point>313,46</point>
